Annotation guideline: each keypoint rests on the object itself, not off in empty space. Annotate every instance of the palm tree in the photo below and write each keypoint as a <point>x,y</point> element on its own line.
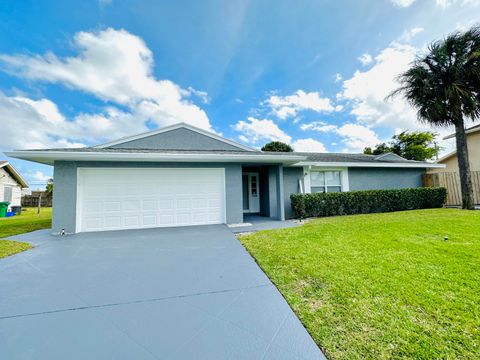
<point>444,87</point>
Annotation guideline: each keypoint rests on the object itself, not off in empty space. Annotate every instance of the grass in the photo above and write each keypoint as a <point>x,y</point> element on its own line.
<point>381,285</point>
<point>28,221</point>
<point>8,247</point>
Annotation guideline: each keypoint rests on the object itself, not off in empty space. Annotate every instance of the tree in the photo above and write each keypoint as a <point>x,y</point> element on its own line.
<point>277,146</point>
<point>49,187</point>
<point>379,149</point>
<point>416,145</point>
<point>444,87</point>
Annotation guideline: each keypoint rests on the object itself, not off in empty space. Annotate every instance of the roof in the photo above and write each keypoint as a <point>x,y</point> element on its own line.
<point>174,127</point>
<point>244,154</point>
<point>473,129</point>
<point>13,173</point>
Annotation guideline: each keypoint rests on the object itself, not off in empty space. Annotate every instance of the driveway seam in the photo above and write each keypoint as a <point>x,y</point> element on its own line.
<point>131,302</point>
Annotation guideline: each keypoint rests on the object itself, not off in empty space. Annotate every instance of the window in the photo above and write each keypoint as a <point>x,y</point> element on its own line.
<point>7,193</point>
<point>326,181</point>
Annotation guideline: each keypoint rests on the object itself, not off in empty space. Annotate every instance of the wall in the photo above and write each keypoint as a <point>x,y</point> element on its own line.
<point>291,176</point>
<point>65,189</point>
<point>179,139</point>
<point>473,143</point>
<point>7,179</point>
<point>384,178</point>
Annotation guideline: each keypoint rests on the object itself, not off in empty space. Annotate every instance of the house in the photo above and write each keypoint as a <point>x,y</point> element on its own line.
<point>181,175</point>
<point>11,184</point>
<point>473,143</point>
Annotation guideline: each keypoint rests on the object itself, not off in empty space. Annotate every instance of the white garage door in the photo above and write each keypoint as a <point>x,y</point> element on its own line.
<point>113,199</point>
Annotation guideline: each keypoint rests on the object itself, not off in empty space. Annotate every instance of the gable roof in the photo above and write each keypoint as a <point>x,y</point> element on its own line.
<point>13,173</point>
<point>471,130</point>
<point>173,127</point>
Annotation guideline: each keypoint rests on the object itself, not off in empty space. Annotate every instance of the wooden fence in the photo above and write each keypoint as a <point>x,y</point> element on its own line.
<point>32,200</point>
<point>451,181</point>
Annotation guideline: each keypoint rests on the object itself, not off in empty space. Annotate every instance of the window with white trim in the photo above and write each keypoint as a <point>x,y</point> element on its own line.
<point>326,181</point>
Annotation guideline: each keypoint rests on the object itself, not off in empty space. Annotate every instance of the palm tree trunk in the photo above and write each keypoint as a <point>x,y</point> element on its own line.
<point>464,166</point>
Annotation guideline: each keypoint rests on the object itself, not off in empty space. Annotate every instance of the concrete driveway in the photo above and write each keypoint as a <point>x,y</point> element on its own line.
<point>177,293</point>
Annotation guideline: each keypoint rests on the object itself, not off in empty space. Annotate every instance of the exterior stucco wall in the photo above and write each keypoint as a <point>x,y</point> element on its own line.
<point>291,177</point>
<point>384,178</point>
<point>65,189</point>
<point>473,143</point>
<point>178,139</point>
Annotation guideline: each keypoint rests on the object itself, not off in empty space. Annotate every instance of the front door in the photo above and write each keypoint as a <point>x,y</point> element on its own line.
<point>251,195</point>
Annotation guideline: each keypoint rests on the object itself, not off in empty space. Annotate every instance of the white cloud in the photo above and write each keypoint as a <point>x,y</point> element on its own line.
<point>338,77</point>
<point>117,67</point>
<point>446,3</point>
<point>365,91</point>
<point>366,59</point>
<point>40,176</point>
<point>357,137</point>
<point>288,106</point>
<point>319,126</point>
<point>403,3</point>
<point>308,145</point>
<point>408,35</point>
<point>255,130</point>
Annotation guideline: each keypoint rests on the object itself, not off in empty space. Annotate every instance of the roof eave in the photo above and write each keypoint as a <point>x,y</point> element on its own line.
<point>48,157</point>
<point>15,174</point>
<point>371,164</point>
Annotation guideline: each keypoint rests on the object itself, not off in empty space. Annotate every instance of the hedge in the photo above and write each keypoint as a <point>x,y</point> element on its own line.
<point>364,202</point>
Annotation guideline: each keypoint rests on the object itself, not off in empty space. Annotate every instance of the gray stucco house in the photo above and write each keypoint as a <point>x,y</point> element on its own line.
<point>181,175</point>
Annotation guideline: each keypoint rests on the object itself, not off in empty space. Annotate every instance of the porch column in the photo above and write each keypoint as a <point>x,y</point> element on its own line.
<point>280,194</point>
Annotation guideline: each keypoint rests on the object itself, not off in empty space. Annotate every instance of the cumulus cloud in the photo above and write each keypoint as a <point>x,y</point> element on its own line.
<point>366,59</point>
<point>40,176</point>
<point>289,106</point>
<point>357,137</point>
<point>117,67</point>
<point>308,145</point>
<point>403,3</point>
<point>365,91</point>
<point>260,130</point>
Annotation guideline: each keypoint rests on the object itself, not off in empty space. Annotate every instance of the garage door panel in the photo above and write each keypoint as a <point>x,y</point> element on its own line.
<point>110,199</point>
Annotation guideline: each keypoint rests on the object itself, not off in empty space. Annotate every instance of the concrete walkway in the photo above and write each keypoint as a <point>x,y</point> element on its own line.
<point>178,293</point>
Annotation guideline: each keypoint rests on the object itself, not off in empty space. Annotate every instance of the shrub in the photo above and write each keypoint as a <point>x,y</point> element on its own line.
<point>364,202</point>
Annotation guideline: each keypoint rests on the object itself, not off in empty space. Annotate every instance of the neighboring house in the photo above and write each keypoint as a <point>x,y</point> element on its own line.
<point>11,184</point>
<point>181,175</point>
<point>473,143</point>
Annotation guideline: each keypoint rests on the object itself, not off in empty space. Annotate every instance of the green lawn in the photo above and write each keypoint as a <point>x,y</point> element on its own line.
<point>28,221</point>
<point>8,247</point>
<point>381,285</point>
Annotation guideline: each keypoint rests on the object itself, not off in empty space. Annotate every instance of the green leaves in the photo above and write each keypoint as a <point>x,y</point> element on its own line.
<point>364,202</point>
<point>277,146</point>
<point>444,84</point>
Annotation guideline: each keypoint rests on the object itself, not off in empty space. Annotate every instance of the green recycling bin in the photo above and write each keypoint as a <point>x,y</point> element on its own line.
<point>3,208</point>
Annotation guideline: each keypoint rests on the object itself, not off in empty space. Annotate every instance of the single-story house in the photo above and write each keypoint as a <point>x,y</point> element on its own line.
<point>11,184</point>
<point>181,175</point>
<point>473,144</point>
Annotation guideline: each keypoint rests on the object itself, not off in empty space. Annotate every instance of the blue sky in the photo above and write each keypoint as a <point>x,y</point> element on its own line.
<point>314,74</point>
